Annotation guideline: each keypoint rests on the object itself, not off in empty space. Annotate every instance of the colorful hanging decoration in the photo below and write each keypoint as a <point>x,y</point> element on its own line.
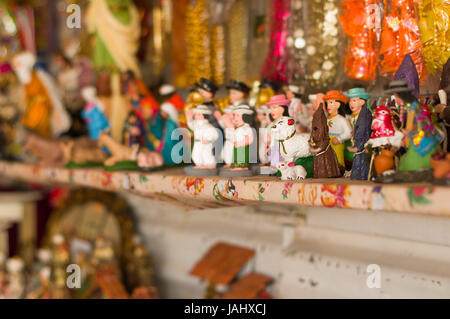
<point>218,12</point>
<point>322,43</point>
<point>275,68</point>
<point>237,41</point>
<point>435,27</point>
<point>361,22</point>
<point>296,44</point>
<point>179,9</point>
<point>198,62</point>
<point>401,36</point>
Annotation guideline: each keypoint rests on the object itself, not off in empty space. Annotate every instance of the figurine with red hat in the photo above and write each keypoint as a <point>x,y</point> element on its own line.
<point>340,129</point>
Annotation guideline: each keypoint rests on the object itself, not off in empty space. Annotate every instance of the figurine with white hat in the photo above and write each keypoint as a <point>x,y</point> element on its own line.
<point>243,138</point>
<point>205,135</point>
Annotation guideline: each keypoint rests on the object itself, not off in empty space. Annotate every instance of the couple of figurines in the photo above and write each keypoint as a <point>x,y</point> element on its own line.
<point>209,126</point>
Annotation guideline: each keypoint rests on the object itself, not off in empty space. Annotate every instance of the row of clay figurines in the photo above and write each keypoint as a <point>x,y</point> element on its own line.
<point>361,144</point>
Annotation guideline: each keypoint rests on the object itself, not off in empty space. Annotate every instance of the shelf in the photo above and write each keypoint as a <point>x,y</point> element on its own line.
<point>214,192</point>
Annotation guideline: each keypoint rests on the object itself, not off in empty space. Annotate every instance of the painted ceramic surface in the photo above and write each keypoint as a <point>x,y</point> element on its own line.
<point>214,192</point>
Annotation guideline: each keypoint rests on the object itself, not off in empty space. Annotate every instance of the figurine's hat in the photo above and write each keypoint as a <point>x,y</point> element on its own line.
<point>243,109</point>
<point>202,109</point>
<point>263,109</point>
<point>407,72</point>
<point>278,100</point>
<point>397,87</point>
<point>166,89</point>
<point>266,83</point>
<point>206,85</point>
<point>358,92</point>
<point>239,86</point>
<point>336,95</point>
<point>229,109</point>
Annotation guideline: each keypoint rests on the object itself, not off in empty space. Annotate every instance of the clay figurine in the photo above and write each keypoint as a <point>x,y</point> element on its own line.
<point>300,112</point>
<point>361,134</point>
<point>279,107</point>
<point>82,152</point>
<point>325,160</point>
<point>264,133</point>
<point>171,122</point>
<point>340,130</point>
<point>48,151</point>
<point>422,137</point>
<point>243,139</point>
<point>93,113</point>
<point>205,135</point>
<point>16,282</point>
<point>290,171</point>
<point>227,124</point>
<point>238,93</point>
<point>45,113</point>
<point>133,130</point>
<point>128,158</point>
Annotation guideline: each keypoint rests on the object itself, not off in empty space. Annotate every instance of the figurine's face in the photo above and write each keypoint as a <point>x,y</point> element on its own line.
<point>236,96</point>
<point>237,120</point>
<point>261,117</point>
<point>289,94</point>
<point>398,99</point>
<point>207,96</point>
<point>276,111</point>
<point>333,107</point>
<point>356,104</point>
<point>198,117</point>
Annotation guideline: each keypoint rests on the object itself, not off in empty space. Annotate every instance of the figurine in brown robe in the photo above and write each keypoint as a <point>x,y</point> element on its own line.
<point>325,160</point>
<point>48,151</point>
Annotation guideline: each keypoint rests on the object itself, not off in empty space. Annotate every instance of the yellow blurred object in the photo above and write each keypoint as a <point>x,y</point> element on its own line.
<point>434,25</point>
<point>222,103</point>
<point>194,99</point>
<point>264,96</point>
<point>38,112</point>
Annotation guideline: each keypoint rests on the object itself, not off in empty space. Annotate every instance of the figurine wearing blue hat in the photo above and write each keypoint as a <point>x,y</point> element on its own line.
<point>358,99</point>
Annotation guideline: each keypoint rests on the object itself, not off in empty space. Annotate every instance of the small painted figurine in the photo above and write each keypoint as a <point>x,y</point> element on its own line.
<point>422,137</point>
<point>358,98</point>
<point>300,112</point>
<point>205,135</point>
<point>227,124</point>
<point>170,96</point>
<point>16,278</point>
<point>171,122</point>
<point>45,113</point>
<point>383,131</point>
<point>93,113</point>
<point>361,134</point>
<point>208,91</point>
<point>325,160</point>
<point>264,133</point>
<point>238,93</point>
<point>244,122</point>
<point>340,130</point>
<point>133,130</point>
<point>279,107</point>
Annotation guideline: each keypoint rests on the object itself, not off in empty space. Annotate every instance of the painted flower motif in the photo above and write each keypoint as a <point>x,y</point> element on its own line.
<point>106,179</point>
<point>197,184</point>
<point>420,195</point>
<point>335,195</point>
<point>287,189</point>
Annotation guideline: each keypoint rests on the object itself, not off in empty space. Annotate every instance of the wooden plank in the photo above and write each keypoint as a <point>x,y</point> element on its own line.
<point>248,287</point>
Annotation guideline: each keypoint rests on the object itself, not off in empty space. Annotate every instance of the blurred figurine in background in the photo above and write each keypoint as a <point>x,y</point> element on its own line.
<point>170,96</point>
<point>93,113</point>
<point>45,113</point>
<point>422,138</point>
<point>169,138</point>
<point>264,133</point>
<point>340,129</point>
<point>300,112</point>
<point>227,124</point>
<point>238,93</point>
<point>207,90</point>
<point>16,278</point>
<point>133,130</point>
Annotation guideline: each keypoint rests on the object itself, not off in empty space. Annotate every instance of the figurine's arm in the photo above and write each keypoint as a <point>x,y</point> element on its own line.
<point>346,131</point>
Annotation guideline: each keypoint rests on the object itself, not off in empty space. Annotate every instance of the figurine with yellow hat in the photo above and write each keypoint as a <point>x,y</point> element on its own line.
<point>340,129</point>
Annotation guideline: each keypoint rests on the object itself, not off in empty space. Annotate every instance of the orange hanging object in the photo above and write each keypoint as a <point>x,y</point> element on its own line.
<point>361,22</point>
<point>401,35</point>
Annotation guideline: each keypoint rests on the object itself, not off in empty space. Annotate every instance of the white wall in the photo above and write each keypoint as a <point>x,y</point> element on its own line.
<point>311,253</point>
